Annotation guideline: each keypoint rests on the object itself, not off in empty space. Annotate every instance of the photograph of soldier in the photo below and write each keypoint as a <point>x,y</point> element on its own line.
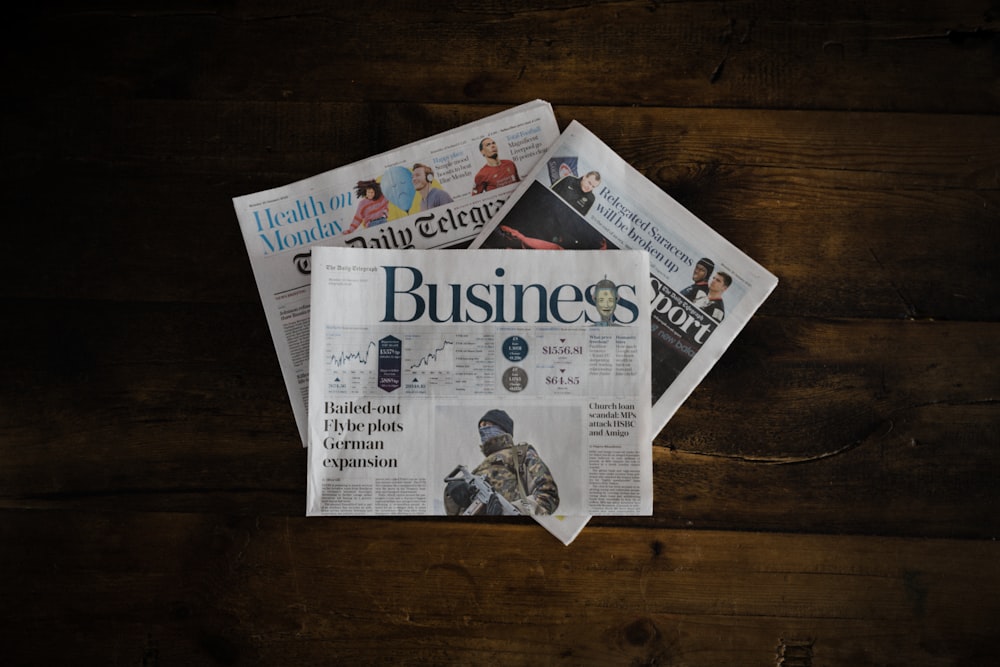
<point>606,300</point>
<point>514,471</point>
<point>711,301</point>
<point>373,207</point>
<point>578,192</point>
<point>496,173</point>
<point>423,183</point>
<point>702,270</point>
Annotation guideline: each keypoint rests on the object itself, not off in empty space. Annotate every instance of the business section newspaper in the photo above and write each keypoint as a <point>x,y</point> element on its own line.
<point>582,196</point>
<point>434,193</point>
<point>479,382</point>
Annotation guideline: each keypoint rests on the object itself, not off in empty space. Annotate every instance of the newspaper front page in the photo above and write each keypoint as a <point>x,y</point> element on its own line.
<point>479,382</point>
<point>433,193</point>
<point>583,196</point>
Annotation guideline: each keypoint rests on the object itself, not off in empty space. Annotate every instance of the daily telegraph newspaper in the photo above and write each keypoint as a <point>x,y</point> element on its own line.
<point>434,193</point>
<point>582,195</point>
<point>479,382</point>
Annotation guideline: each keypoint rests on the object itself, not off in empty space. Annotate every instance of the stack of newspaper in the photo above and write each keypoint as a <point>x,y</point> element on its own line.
<point>443,355</point>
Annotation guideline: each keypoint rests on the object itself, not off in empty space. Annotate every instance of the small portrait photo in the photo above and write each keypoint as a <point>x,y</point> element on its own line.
<point>578,191</point>
<point>429,193</point>
<point>605,301</point>
<point>496,171</point>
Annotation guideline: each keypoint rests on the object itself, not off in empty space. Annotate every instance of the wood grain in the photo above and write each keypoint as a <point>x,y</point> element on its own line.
<point>151,403</point>
<point>825,496</point>
<point>208,589</point>
<point>926,55</point>
<point>851,228</point>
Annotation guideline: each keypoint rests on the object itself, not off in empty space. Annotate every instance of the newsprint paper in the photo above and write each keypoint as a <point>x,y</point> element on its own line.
<point>583,196</point>
<point>479,382</point>
<point>433,193</point>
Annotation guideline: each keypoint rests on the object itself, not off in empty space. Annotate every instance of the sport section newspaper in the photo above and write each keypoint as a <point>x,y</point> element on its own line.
<point>435,365</point>
<point>433,193</point>
<point>583,196</point>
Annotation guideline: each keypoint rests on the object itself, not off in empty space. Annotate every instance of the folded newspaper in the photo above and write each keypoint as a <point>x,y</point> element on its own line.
<point>582,196</point>
<point>478,164</point>
<point>433,193</point>
<point>281,225</point>
<point>479,382</point>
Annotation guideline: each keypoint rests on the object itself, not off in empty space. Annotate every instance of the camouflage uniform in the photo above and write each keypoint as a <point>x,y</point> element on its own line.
<point>499,470</point>
<point>516,472</point>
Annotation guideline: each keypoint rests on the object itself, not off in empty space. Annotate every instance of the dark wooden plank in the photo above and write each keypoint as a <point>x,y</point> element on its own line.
<point>859,215</point>
<point>848,425</point>
<point>120,587</point>
<point>267,144</point>
<point>839,462</point>
<point>931,55</point>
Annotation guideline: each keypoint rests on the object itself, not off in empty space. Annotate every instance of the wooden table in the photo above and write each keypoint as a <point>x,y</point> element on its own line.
<point>827,496</point>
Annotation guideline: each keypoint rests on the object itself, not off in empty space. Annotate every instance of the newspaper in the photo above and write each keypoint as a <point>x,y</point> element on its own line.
<point>434,193</point>
<point>581,195</point>
<point>479,382</point>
